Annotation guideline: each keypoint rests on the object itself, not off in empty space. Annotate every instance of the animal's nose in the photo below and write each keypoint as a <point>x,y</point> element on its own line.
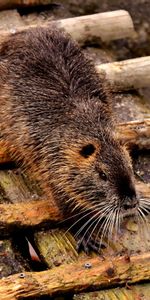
<point>130,203</point>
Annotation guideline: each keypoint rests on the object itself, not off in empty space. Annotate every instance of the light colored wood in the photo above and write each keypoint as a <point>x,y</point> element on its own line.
<point>79,276</point>
<point>102,27</point>
<point>127,74</point>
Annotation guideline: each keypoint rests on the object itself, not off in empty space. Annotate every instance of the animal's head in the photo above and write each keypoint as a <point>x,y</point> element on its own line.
<point>92,169</point>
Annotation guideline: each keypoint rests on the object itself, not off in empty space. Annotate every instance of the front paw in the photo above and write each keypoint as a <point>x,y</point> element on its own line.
<point>89,245</point>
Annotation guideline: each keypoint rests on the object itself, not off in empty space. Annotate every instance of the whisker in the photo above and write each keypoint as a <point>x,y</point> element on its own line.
<point>140,210</point>
<point>84,216</point>
<point>103,225</point>
<point>143,230</point>
<point>107,226</point>
<point>71,217</point>
<point>102,214</point>
<point>99,219</point>
<point>84,225</point>
<point>112,225</point>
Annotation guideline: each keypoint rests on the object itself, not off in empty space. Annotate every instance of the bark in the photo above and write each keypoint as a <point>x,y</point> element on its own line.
<point>77,277</point>
<point>5,4</point>
<point>32,213</point>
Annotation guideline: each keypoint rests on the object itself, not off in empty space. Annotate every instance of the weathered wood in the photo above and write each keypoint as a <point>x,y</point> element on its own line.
<point>128,74</point>
<point>5,4</point>
<point>133,292</point>
<point>9,262</point>
<point>57,247</point>
<point>135,133</point>
<point>102,26</point>
<point>26,214</point>
<point>79,276</point>
<point>10,19</point>
<point>33,213</point>
<point>15,187</point>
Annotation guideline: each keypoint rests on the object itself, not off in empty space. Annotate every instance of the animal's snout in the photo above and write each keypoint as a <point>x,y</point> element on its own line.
<point>130,203</point>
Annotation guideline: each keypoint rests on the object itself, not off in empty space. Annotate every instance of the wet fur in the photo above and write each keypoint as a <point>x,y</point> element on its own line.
<point>53,104</point>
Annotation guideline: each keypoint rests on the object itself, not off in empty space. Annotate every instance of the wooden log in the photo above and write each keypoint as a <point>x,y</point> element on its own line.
<point>135,133</point>
<point>35,213</point>
<point>77,277</point>
<point>24,214</point>
<point>102,27</point>
<point>128,74</point>
<point>132,133</point>
<point>7,4</point>
<point>10,260</point>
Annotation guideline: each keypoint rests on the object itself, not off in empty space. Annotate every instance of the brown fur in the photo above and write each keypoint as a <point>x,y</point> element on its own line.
<point>53,104</point>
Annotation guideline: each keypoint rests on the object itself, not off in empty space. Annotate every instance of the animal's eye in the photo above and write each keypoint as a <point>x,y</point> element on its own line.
<point>87,150</point>
<point>103,176</point>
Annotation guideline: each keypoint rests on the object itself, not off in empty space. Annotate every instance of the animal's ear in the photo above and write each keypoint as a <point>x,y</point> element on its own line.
<point>87,150</point>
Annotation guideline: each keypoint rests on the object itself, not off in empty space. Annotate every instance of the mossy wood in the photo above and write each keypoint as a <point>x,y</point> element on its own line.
<point>10,261</point>
<point>127,293</point>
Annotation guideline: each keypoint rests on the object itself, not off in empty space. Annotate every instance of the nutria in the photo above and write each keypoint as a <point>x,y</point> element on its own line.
<point>56,113</point>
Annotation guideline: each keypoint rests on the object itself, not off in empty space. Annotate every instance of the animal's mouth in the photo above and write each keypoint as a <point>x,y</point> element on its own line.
<point>130,212</point>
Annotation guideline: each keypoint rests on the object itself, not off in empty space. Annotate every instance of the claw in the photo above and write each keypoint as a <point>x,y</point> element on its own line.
<point>89,245</point>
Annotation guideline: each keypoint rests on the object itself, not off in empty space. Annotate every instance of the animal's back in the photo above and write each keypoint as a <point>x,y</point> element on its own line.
<point>45,77</point>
